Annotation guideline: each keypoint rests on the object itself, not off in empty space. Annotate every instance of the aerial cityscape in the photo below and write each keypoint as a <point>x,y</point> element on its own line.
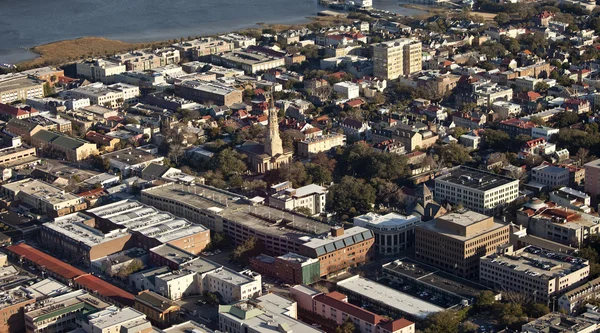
<point>337,166</point>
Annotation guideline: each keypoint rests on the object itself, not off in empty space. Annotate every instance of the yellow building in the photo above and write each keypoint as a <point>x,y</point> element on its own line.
<point>160,310</point>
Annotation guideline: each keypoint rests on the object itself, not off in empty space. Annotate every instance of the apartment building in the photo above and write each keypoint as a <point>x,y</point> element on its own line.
<point>203,91</point>
<point>396,58</point>
<point>202,47</point>
<point>454,242</point>
<point>543,132</point>
<point>43,197</point>
<point>335,306</point>
<point>236,216</point>
<point>131,161</point>
<point>111,96</point>
<point>312,197</point>
<point>61,145</point>
<point>142,60</point>
<point>347,90</point>
<point>59,313</point>
<point>394,232</point>
<point>19,87</point>
<point>477,190</point>
<point>12,305</point>
<point>323,143</point>
<point>487,93</point>
<point>539,276</point>
<point>572,300</point>
<point>100,70</point>
<point>341,250</point>
<point>412,136</point>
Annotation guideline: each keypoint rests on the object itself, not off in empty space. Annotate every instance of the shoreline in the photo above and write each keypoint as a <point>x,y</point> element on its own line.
<point>62,52</point>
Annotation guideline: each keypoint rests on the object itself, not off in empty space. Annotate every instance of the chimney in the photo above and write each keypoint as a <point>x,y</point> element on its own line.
<point>337,231</point>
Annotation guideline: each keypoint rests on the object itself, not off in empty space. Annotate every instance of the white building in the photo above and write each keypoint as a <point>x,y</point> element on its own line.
<point>470,141</point>
<point>394,232</point>
<point>130,92</point>
<point>476,190</point>
<point>571,198</point>
<point>100,70</point>
<point>543,132</point>
<point>112,96</point>
<point>312,197</point>
<point>347,90</point>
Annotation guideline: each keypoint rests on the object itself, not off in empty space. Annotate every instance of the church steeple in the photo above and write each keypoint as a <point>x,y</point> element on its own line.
<point>273,145</point>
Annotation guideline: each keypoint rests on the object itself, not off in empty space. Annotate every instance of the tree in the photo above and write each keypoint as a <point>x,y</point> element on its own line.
<point>303,210</point>
<point>229,162</point>
<point>447,321</point>
<point>520,140</point>
<point>350,196</point>
<point>537,120</point>
<point>251,247</point>
<point>495,139</point>
<point>536,310</point>
<point>485,300</point>
<point>454,154</point>
<point>582,156</point>
<point>502,18</point>
<point>347,327</point>
<point>541,87</point>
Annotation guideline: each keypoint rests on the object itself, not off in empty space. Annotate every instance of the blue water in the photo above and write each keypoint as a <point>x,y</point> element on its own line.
<point>26,23</point>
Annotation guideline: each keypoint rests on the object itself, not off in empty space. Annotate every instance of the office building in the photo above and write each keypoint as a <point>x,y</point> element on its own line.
<point>347,90</point>
<point>335,306</point>
<point>541,276</point>
<point>131,161</point>
<point>592,179</point>
<point>113,319</point>
<point>43,197</point>
<point>250,60</point>
<point>198,48</point>
<point>310,197</point>
<point>572,199</point>
<point>19,87</point>
<point>394,232</point>
<point>141,60</point>
<point>396,58</point>
<point>12,305</point>
<point>454,242</point>
<point>204,92</point>
<point>550,176</point>
<point>267,314</point>
<point>111,96</point>
<point>151,227</point>
<point>476,190</point>
<point>101,70</point>
<point>187,327</point>
<point>323,143</point>
<point>290,268</point>
<point>341,250</point>
<point>558,224</point>
<point>236,216</point>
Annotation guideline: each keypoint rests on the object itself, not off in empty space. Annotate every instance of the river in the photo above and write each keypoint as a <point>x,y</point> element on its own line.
<point>27,23</point>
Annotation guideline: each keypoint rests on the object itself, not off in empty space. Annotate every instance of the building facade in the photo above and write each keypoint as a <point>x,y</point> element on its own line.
<point>394,232</point>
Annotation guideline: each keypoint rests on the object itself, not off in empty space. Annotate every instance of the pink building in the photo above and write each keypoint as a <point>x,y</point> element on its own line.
<point>335,306</point>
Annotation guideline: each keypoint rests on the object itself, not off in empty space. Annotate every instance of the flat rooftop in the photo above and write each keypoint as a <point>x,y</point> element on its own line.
<point>206,86</point>
<point>131,156</point>
<point>237,208</point>
<point>188,326</point>
<point>387,296</point>
<point>108,318</point>
<point>432,226</point>
<point>434,277</point>
<point>73,226</point>
<point>387,220</point>
<point>147,220</point>
<point>17,82</point>
<point>57,304</point>
<point>537,264</point>
<point>42,191</point>
<point>173,253</point>
<point>475,179</point>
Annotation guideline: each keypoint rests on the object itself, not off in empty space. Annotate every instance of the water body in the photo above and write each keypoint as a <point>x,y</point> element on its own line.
<point>27,23</point>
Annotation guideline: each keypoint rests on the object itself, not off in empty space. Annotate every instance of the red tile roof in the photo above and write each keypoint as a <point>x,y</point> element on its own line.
<point>92,193</point>
<point>396,325</point>
<point>105,289</point>
<point>15,112</point>
<point>338,301</point>
<point>42,259</point>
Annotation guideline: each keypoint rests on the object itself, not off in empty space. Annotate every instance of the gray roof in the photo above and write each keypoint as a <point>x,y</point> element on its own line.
<point>45,136</point>
<point>154,170</point>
